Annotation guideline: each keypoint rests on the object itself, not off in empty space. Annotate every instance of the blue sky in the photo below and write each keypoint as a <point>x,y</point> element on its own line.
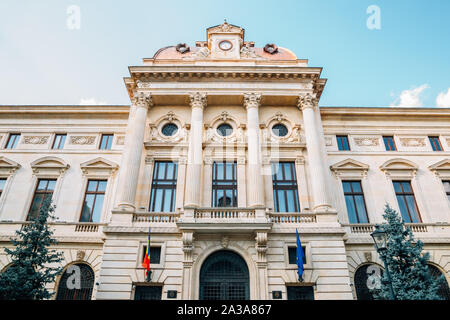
<point>406,62</point>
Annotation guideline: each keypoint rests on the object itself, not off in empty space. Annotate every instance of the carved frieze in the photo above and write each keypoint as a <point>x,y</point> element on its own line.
<point>120,140</point>
<point>328,141</point>
<point>82,140</point>
<point>367,141</point>
<point>35,139</point>
<point>413,142</point>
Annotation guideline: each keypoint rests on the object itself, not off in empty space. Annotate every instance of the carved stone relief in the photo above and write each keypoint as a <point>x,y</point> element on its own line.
<point>367,141</point>
<point>82,139</point>
<point>413,142</point>
<point>35,139</point>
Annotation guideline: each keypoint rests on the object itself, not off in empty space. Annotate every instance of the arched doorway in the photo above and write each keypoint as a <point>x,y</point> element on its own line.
<point>224,276</point>
<point>76,283</point>
<point>367,277</point>
<point>444,290</point>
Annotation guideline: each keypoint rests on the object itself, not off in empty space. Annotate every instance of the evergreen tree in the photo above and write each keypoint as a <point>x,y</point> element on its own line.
<point>31,258</point>
<point>411,279</point>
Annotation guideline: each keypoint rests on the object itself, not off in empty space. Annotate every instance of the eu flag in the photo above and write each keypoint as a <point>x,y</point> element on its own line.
<point>300,256</point>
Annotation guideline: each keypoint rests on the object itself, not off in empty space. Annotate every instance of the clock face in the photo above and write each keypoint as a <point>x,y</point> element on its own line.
<point>225,45</point>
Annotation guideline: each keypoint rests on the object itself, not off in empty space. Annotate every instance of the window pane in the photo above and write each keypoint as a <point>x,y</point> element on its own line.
<point>290,200</point>
<point>97,208</point>
<point>161,170</point>
<point>361,209</point>
<point>229,171</point>
<point>406,187</point>
<point>157,201</point>
<point>109,142</point>
<point>220,169</point>
<point>287,171</point>
<point>170,169</point>
<point>102,185</point>
<point>42,185</point>
<point>275,171</point>
<point>403,209</point>
<point>35,207</point>
<point>351,210</point>
<point>356,185</point>
<point>167,201</point>
<point>281,201</point>
<point>347,187</point>
<point>397,187</point>
<point>412,209</point>
<point>51,185</point>
<point>446,186</point>
<point>92,185</point>
<point>2,184</point>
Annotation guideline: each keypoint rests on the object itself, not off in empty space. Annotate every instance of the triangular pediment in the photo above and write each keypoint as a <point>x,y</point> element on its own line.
<point>99,163</point>
<point>399,164</point>
<point>349,164</point>
<point>49,162</point>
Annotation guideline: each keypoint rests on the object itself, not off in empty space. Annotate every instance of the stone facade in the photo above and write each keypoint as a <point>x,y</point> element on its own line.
<point>251,89</point>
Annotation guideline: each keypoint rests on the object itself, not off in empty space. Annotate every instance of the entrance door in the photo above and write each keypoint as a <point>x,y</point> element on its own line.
<point>224,276</point>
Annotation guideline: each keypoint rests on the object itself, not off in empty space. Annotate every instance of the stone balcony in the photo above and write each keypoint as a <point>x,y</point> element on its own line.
<point>427,232</point>
<point>63,231</point>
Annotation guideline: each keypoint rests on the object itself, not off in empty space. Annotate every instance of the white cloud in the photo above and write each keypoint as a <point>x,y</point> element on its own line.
<point>410,98</point>
<point>91,102</point>
<point>443,99</point>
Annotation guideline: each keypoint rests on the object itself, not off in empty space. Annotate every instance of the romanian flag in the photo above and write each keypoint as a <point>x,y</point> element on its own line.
<point>146,262</point>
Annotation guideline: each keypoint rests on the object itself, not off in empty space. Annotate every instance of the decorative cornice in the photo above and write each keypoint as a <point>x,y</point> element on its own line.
<point>197,99</point>
<point>306,101</point>
<point>142,100</point>
<point>252,100</point>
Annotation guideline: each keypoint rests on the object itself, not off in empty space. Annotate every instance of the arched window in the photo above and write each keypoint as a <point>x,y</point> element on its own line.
<point>76,283</point>
<point>444,290</point>
<point>367,277</point>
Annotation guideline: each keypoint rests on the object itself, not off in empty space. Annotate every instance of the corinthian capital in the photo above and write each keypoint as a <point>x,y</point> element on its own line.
<point>142,99</point>
<point>197,99</point>
<point>306,101</point>
<point>252,100</point>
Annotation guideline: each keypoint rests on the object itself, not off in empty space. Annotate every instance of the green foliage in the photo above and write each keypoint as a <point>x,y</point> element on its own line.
<point>30,270</point>
<point>408,268</point>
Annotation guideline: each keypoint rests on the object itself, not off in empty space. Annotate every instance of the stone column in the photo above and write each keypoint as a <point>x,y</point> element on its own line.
<point>195,153</point>
<point>131,158</point>
<point>241,183</point>
<point>315,143</point>
<point>255,197</point>
<point>207,181</point>
<point>181,182</point>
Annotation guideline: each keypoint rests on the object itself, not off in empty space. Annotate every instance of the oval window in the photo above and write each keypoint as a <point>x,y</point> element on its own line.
<point>280,130</point>
<point>224,129</point>
<point>169,129</point>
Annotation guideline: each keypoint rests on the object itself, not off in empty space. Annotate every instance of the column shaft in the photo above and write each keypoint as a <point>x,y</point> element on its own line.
<point>131,159</point>
<point>255,178</point>
<point>316,161</point>
<point>195,154</point>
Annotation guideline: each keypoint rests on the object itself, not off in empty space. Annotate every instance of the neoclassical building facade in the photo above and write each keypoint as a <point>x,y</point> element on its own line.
<point>223,154</point>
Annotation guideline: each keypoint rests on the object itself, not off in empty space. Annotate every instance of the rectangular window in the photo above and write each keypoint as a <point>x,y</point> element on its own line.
<point>435,143</point>
<point>13,140</point>
<point>285,189</point>
<point>343,144</point>
<point>300,292</point>
<point>59,141</point>
<point>2,185</point>
<point>93,201</point>
<point>164,185</point>
<point>389,143</point>
<point>224,184</point>
<point>155,254</point>
<point>44,190</point>
<point>407,201</point>
<point>106,142</point>
<point>447,188</point>
<point>354,199</point>
<point>292,251</point>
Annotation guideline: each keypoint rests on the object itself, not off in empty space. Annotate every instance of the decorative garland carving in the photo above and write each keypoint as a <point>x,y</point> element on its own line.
<point>82,140</point>
<point>35,139</point>
<point>413,142</point>
<point>367,142</point>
